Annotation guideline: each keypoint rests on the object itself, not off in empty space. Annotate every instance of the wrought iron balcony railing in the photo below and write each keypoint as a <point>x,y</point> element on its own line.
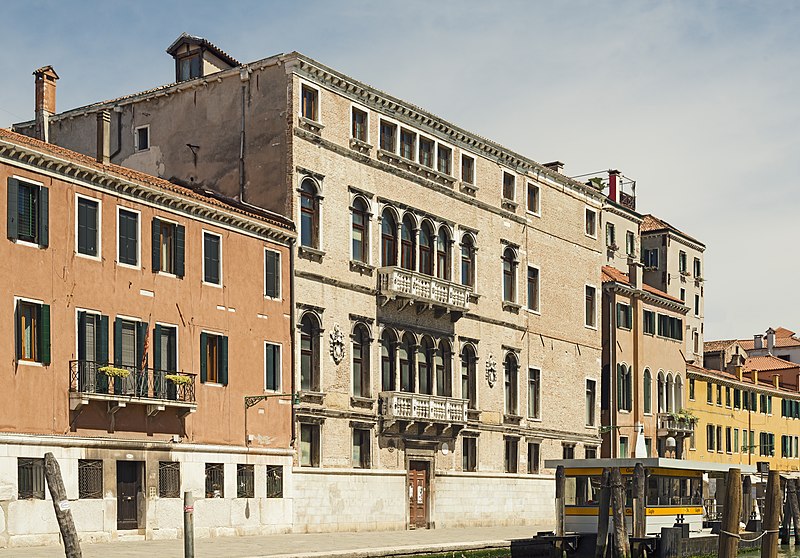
<point>419,407</point>
<point>396,282</point>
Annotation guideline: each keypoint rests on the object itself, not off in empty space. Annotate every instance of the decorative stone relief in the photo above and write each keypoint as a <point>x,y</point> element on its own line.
<point>491,370</point>
<point>337,344</point>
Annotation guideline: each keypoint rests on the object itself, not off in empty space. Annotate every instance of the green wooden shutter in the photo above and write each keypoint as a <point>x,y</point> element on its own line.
<point>180,250</point>
<point>118,342</point>
<point>17,334</point>
<point>44,334</point>
<point>13,189</point>
<point>101,347</point>
<point>203,362</point>
<point>82,337</point>
<point>44,217</point>
<point>156,238</point>
<point>156,348</point>
<point>222,366</point>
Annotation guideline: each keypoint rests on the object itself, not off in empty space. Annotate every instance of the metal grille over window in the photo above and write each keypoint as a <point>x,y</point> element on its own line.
<point>274,481</point>
<point>245,481</point>
<point>30,477</point>
<point>90,478</point>
<point>215,480</point>
<point>169,479</point>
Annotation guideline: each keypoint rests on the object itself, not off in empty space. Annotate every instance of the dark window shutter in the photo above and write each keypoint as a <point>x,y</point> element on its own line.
<point>44,334</point>
<point>13,189</point>
<point>156,237</point>
<point>82,337</point>
<point>222,366</point>
<point>180,249</point>
<point>156,348</point>
<point>83,235</point>
<point>117,342</point>
<point>102,341</point>
<point>44,213</point>
<point>203,356</point>
<point>17,333</point>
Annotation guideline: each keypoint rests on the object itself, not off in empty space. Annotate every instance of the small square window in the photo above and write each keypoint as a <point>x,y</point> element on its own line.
<point>274,481</point>
<point>467,169</point>
<point>309,105</point>
<point>245,481</point>
<point>142,138</point>
<point>215,480</point>
<point>90,478</point>
<point>568,451</point>
<point>169,479</point>
<point>360,122</point>
<point>591,223</point>
<point>30,478</point>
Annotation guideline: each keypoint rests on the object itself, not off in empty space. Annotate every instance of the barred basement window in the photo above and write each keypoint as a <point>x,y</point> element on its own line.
<point>215,480</point>
<point>274,481</point>
<point>245,481</point>
<point>30,478</point>
<point>169,479</point>
<point>90,478</point>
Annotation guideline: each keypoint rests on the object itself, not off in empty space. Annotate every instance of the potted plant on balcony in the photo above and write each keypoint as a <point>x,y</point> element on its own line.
<point>114,372</point>
<point>175,381</point>
<point>685,416</point>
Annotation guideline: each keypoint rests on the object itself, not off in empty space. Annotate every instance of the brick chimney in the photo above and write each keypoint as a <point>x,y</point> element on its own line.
<point>104,137</point>
<point>45,80</point>
<point>776,381</point>
<point>635,273</point>
<point>613,184</point>
<point>557,166</point>
<point>770,340</point>
<point>758,341</point>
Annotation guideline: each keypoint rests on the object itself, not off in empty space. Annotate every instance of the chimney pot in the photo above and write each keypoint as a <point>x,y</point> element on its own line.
<point>776,380</point>
<point>634,273</point>
<point>104,137</point>
<point>45,102</point>
<point>770,340</point>
<point>557,166</point>
<point>758,341</point>
<point>613,184</point>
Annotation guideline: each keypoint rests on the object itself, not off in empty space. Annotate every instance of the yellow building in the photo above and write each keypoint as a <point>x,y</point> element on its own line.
<point>748,413</point>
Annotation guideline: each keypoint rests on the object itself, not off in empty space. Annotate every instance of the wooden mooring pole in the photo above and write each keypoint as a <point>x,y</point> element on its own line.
<point>638,501</point>
<point>188,524</point>
<point>786,515</point>
<point>604,505</point>
<point>622,548</point>
<point>747,502</point>
<point>791,488</point>
<point>729,535</point>
<point>52,472</point>
<point>772,514</point>
<point>561,482</point>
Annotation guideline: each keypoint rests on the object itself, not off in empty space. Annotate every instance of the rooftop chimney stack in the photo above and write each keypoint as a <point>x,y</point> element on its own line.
<point>557,166</point>
<point>104,137</point>
<point>45,79</point>
<point>758,341</point>
<point>770,340</point>
<point>635,273</point>
<point>613,184</point>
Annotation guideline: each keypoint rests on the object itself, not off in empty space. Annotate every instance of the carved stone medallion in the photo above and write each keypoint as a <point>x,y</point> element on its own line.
<point>491,370</point>
<point>337,344</point>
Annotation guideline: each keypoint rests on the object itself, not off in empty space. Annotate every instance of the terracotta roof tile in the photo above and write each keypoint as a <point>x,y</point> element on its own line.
<point>768,363</point>
<point>650,223</point>
<point>780,342</point>
<point>783,332</point>
<point>720,345</point>
<point>612,274</point>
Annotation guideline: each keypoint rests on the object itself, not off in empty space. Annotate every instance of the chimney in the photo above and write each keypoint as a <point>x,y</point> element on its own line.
<point>557,166</point>
<point>757,341</point>
<point>613,184</point>
<point>45,80</point>
<point>776,381</point>
<point>104,137</point>
<point>770,340</point>
<point>635,273</point>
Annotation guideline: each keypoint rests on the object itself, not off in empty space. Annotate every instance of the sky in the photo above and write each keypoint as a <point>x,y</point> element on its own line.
<point>697,100</point>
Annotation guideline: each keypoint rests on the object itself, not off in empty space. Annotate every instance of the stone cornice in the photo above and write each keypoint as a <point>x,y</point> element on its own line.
<point>645,296</point>
<point>733,382</point>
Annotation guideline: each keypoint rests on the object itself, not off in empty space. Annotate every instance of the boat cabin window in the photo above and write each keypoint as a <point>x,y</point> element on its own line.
<point>673,491</point>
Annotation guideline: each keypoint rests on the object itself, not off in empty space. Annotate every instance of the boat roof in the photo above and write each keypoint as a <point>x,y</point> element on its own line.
<point>661,462</point>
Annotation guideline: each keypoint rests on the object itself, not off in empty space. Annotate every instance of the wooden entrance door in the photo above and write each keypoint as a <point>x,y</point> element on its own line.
<point>129,490</point>
<point>418,494</point>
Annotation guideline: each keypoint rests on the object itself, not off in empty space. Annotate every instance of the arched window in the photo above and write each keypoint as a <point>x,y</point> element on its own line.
<point>443,363</point>
<point>624,388</point>
<point>426,249</point>
<point>670,394</point>
<point>361,368</point>
<point>388,366</point>
<point>468,261</point>
<point>443,254</point>
<point>309,353</point>
<point>647,387</point>
<point>407,247</point>
<point>509,275</point>
<point>309,214</point>
<point>510,367</point>
<point>660,394</point>
<point>388,239</point>
<point>360,231</point>
<point>404,352</point>
<point>469,372</point>
<point>424,364</point>
<point>678,393</point>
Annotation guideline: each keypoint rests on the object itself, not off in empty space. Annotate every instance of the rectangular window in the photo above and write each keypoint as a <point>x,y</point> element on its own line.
<point>744,441</point>
<point>360,125</point>
<point>509,186</point>
<point>682,262</point>
<point>128,237</point>
<point>590,223</point>
<point>467,169</point>
<point>752,448</point>
<point>737,398</point>
<point>469,454</point>
<point>623,447</point>
<point>309,445</point>
<point>697,268</point>
<point>710,393</point>
<point>691,389</point>
<point>274,481</point>
<point>534,201</point>
<point>590,315</point>
<point>28,212</point>
<point>568,451</point>
<point>272,367</point>
<point>426,152</point>
<point>710,437</point>
<point>670,327</point>
<point>696,305</point>
<point>728,440</point>
<point>88,227</point>
<point>650,258</point>
<point>272,274</point>
<point>533,457</point>
<point>388,136</point>
<point>408,141</point>
<point>169,479</point>
<point>511,455</point>
<point>32,329</point>
<point>648,447</point>
<point>212,258</point>
<point>591,391</point>
<point>649,322</point>
<point>683,295</point>
<point>735,440</point>
<point>590,453</point>
<point>719,395</point>
<point>630,244</point>
<point>692,444</point>
<point>444,157</point>
<point>719,439</point>
<point>611,236</point>
<point>90,478</point>
<point>728,397</point>
<point>624,316</point>
<point>361,448</point>
<point>142,138</point>
<point>245,481</point>
<point>30,478</point>
<point>533,289</point>
<point>215,480</point>
<point>696,342</point>
<point>169,240</point>
<point>534,393</point>
<point>309,107</point>
<point>213,358</point>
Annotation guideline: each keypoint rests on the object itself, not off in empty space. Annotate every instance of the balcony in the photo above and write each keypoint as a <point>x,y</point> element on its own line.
<point>675,424</point>
<point>422,290</point>
<point>153,388</point>
<point>397,406</point>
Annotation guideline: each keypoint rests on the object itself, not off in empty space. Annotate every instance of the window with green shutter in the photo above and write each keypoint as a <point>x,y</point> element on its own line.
<point>128,237</point>
<point>272,367</point>
<point>88,226</point>
<point>213,358</point>
<point>168,247</point>
<point>212,258</point>
<point>272,274</point>
<point>32,332</point>
<point>28,214</point>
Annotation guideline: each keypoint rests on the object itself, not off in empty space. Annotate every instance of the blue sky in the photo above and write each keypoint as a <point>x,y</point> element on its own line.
<point>697,101</point>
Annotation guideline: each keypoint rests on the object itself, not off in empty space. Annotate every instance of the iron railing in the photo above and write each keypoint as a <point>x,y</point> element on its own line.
<point>87,376</point>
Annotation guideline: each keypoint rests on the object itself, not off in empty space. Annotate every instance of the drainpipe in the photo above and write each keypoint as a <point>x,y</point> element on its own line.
<point>292,325</point>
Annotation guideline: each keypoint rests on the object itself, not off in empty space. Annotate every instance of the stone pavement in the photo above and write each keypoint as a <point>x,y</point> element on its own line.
<point>301,545</point>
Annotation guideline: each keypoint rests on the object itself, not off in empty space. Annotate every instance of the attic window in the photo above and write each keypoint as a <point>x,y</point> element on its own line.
<point>190,67</point>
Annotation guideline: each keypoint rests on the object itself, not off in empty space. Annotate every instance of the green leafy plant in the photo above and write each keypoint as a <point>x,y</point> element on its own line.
<point>114,372</point>
<point>684,415</point>
<point>179,380</point>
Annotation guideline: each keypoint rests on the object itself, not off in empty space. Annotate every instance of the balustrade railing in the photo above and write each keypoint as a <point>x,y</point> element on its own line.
<point>396,281</point>
<point>421,407</point>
